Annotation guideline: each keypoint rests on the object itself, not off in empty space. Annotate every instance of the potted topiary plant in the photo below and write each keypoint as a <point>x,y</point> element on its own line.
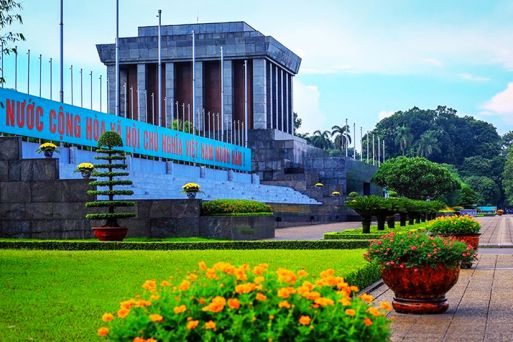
<point>420,269</point>
<point>85,169</point>
<point>383,211</point>
<point>500,212</point>
<point>111,231</point>
<point>366,207</point>
<point>47,148</point>
<point>191,189</point>
<point>462,228</point>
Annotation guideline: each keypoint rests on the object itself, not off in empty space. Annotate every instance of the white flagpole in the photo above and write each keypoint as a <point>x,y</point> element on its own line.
<point>354,140</point>
<point>222,92</point>
<point>383,150</point>
<point>379,152</point>
<point>347,145</point>
<point>159,96</point>
<point>245,103</point>
<point>117,58</point>
<point>61,92</point>
<point>193,73</point>
<point>373,150</point>
<point>361,143</point>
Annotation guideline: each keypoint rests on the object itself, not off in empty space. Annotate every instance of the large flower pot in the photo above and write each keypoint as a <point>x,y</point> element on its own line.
<point>468,239</point>
<point>48,153</point>
<point>86,174</point>
<point>191,195</point>
<point>106,233</point>
<point>422,291</point>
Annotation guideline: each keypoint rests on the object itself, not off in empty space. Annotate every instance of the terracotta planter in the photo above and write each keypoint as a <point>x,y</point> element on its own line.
<point>106,233</point>
<point>468,239</point>
<point>421,292</point>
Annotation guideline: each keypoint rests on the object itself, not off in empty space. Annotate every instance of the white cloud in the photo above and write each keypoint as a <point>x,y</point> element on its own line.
<point>432,61</point>
<point>307,105</point>
<point>501,104</point>
<point>471,77</point>
<point>385,114</point>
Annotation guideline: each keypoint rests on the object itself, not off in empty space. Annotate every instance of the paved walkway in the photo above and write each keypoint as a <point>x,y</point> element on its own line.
<point>480,304</point>
<point>312,232</point>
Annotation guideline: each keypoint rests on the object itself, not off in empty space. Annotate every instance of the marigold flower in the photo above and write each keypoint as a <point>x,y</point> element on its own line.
<point>323,301</point>
<point>367,321</point>
<point>139,339</point>
<point>259,280</point>
<point>374,311</point>
<point>233,303</point>
<point>345,301</point>
<point>260,269</point>
<point>142,303</point>
<point>127,304</point>
<point>184,286</point>
<point>304,320</point>
<point>150,285</point>
<point>192,277</point>
<point>210,325</point>
<point>122,313</point>
<point>244,288</point>
<point>286,276</point>
<point>366,297</point>
<point>354,288</point>
<point>156,318</point>
<point>261,297</point>
<point>284,304</point>
<point>216,305</point>
<point>154,297</point>
<point>386,306</point>
<point>201,301</point>
<point>107,317</point>
<point>285,292</point>
<point>179,309</point>
<point>151,340</point>
<point>350,312</point>
<point>327,273</point>
<point>302,273</point>
<point>103,331</point>
<point>202,265</point>
<point>192,325</point>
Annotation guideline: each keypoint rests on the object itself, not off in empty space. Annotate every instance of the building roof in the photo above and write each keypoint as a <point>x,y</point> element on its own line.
<point>238,39</point>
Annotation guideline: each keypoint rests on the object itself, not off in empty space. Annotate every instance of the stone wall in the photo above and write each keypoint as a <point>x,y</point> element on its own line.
<point>237,227</point>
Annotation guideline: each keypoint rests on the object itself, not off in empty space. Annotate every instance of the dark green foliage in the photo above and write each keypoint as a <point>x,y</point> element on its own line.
<point>488,191</point>
<point>416,178</point>
<point>245,214</point>
<point>231,206</point>
<point>106,143</point>
<point>221,245</point>
<point>507,175</point>
<point>364,276</point>
<point>467,197</point>
<point>122,157</point>
<point>9,10</point>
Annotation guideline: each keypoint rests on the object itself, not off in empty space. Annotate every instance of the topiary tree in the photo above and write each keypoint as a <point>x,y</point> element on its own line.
<point>106,150</point>
<point>366,207</point>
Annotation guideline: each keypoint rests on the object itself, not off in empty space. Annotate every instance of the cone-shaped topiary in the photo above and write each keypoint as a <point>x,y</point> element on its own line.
<point>114,171</point>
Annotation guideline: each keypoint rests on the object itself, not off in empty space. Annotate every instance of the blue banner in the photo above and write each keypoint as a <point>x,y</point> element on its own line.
<point>35,117</point>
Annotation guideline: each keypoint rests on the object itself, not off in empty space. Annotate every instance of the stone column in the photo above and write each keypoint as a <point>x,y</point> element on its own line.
<point>276,88</point>
<point>141,89</point>
<point>228,95</point>
<point>281,99</point>
<point>259,94</point>
<point>271,96</point>
<point>123,91</point>
<point>170,93</point>
<point>198,94</point>
<point>111,76</point>
<point>292,103</point>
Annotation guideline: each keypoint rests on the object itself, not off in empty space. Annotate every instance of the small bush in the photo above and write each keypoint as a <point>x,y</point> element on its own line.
<point>455,225</point>
<point>231,206</point>
<point>230,303</point>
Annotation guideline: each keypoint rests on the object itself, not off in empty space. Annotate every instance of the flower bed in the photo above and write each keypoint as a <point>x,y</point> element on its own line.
<point>455,225</point>
<point>225,300</point>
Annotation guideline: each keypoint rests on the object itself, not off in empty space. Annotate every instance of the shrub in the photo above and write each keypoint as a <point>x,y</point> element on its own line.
<point>455,225</point>
<point>106,144</point>
<point>365,206</point>
<point>417,249</point>
<point>232,206</point>
<point>230,303</point>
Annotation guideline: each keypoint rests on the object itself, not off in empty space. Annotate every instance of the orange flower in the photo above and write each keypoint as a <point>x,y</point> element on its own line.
<point>216,305</point>
<point>366,298</point>
<point>304,320</point>
<point>350,312</point>
<point>107,317</point>
<point>259,280</point>
<point>286,276</point>
<point>142,303</point>
<point>245,288</point>
<point>139,339</point>
<point>386,306</point>
<point>103,331</point>
<point>165,283</point>
<point>201,301</point>
<point>261,297</point>
<point>154,297</point>
<point>184,286</point>
<point>179,309</point>
<point>345,301</point>
<point>156,318</point>
<point>302,273</point>
<point>151,340</point>
<point>192,324</point>
<point>260,269</point>
<point>202,266</point>
<point>122,313</point>
<point>354,288</point>
<point>285,292</point>
<point>374,311</point>
<point>312,295</point>
<point>327,273</point>
<point>367,321</point>
<point>127,304</point>
<point>150,285</point>
<point>284,304</point>
<point>233,303</point>
<point>323,301</point>
<point>192,277</point>
<point>210,325</point>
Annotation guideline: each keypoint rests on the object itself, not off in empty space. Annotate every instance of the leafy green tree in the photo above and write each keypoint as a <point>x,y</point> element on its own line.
<point>416,178</point>
<point>342,136</point>
<point>467,197</point>
<point>487,190</point>
<point>8,16</point>
<point>297,122</point>
<point>403,138</point>
<point>507,140</point>
<point>507,180</point>
<point>321,139</point>
<point>428,144</point>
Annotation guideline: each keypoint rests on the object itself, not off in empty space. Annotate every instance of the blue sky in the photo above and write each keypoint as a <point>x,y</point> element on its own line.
<point>361,59</point>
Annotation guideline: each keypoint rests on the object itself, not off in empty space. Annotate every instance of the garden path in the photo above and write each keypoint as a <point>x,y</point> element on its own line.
<point>312,232</point>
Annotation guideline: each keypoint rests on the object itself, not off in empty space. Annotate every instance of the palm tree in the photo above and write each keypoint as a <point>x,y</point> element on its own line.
<point>403,138</point>
<point>428,144</point>
<point>321,139</point>
<point>342,136</point>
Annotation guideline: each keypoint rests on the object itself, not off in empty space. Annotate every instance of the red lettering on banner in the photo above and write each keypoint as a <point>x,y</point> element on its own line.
<point>89,128</point>
<point>20,113</point>
<point>30,116</point>
<point>207,152</point>
<point>9,114</point>
<point>236,158</point>
<point>222,155</point>
<point>53,127</point>
<point>39,122</point>
<point>151,141</point>
<point>69,124</point>
<point>77,127</point>
<point>176,145</point>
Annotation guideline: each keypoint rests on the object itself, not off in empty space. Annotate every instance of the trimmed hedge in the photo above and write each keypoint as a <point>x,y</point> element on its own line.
<point>221,245</point>
<point>232,206</point>
<point>243,214</point>
<point>364,276</point>
<point>370,236</point>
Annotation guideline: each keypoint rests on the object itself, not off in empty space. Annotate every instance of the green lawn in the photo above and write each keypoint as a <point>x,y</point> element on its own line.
<point>374,230</point>
<point>61,295</point>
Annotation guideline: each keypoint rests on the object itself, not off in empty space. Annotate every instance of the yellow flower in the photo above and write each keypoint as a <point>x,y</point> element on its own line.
<point>244,288</point>
<point>156,318</point>
<point>179,309</point>
<point>150,285</point>
<point>323,301</point>
<point>261,297</point>
<point>259,280</point>
<point>386,306</point>
<point>202,266</point>
<point>233,303</point>
<point>367,321</point>
<point>345,301</point>
<point>184,286</point>
<point>192,325</point>
<point>302,273</point>
<point>285,292</point>
<point>284,304</point>
<point>210,325</point>
<point>107,317</point>
<point>350,312</point>
<point>103,331</point>
<point>216,305</point>
<point>304,320</point>
<point>374,311</point>
<point>260,269</point>
<point>122,313</point>
<point>366,298</point>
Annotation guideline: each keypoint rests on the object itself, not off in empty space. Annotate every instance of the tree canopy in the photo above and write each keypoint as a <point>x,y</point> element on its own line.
<point>416,178</point>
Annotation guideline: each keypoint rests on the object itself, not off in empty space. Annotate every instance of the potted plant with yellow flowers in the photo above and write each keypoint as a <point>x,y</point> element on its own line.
<point>191,190</point>
<point>85,169</point>
<point>47,148</point>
